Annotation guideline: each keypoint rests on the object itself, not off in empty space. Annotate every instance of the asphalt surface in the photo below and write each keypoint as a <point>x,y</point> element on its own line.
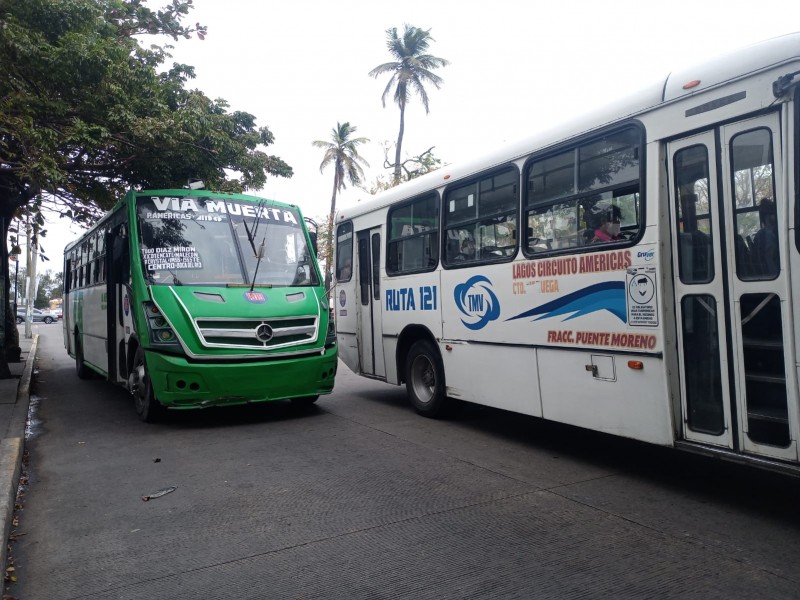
<point>358,497</point>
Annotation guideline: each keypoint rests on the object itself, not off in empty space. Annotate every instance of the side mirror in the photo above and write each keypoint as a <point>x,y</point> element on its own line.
<point>312,233</point>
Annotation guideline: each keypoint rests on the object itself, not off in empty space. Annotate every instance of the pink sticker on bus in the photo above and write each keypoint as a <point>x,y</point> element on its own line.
<point>255,297</point>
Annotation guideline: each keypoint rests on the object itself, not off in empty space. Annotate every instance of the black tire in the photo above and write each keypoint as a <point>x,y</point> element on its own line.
<point>48,320</point>
<point>305,400</point>
<point>20,320</point>
<point>425,383</point>
<point>81,369</point>
<point>147,407</point>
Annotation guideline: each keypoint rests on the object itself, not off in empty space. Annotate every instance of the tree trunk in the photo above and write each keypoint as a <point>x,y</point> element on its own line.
<point>9,336</point>
<point>399,143</point>
<point>5,293</point>
<point>329,246</point>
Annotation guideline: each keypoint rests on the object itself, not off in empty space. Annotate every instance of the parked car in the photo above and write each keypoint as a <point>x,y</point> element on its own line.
<point>38,316</point>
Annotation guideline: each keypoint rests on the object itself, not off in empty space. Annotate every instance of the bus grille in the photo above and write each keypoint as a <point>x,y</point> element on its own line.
<point>257,333</point>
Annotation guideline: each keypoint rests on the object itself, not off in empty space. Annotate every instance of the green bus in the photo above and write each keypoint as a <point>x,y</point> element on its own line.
<point>192,299</point>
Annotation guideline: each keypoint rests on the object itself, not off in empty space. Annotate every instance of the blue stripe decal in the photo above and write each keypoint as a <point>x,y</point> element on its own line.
<point>608,295</point>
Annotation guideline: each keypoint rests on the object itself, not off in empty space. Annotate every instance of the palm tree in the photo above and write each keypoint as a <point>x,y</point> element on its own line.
<point>410,71</point>
<point>342,152</point>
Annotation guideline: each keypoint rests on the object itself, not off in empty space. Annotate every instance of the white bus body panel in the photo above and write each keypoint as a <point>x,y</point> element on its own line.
<point>618,400</point>
<point>500,376</point>
<point>413,300</point>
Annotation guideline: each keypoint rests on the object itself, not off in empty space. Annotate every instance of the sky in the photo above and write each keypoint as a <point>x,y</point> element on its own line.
<point>515,68</point>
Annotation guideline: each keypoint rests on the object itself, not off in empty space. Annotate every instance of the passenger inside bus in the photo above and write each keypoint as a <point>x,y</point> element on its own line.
<point>694,250</point>
<point>766,261</point>
<point>607,229</point>
<point>346,270</point>
<point>467,250</point>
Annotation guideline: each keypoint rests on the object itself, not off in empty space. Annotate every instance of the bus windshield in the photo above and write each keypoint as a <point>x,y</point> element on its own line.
<point>211,241</point>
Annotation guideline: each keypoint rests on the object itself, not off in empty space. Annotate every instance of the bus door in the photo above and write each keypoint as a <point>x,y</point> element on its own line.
<point>370,338</point>
<point>728,219</point>
<point>119,302</point>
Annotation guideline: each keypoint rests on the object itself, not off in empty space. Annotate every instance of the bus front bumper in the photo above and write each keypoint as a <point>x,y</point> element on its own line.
<point>180,384</point>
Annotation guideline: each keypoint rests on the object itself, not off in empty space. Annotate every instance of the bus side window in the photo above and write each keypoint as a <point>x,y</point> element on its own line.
<point>588,194</point>
<point>695,250</point>
<point>413,238</point>
<point>482,216</point>
<point>119,267</point>
<point>344,252</point>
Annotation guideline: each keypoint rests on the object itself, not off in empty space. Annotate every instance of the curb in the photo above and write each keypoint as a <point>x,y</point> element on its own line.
<point>11,450</point>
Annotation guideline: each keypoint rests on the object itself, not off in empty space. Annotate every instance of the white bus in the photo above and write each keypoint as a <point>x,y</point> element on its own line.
<point>632,272</point>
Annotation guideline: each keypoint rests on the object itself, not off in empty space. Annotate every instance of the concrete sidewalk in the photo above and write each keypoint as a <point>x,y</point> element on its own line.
<point>15,397</point>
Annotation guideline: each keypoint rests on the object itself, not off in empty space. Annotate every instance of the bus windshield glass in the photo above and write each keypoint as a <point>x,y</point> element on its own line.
<point>210,241</point>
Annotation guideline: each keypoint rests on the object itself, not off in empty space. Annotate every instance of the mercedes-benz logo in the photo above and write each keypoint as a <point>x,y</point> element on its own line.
<point>264,333</point>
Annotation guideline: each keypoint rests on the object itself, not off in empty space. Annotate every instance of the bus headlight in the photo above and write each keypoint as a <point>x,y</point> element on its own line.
<point>161,333</point>
<point>330,337</point>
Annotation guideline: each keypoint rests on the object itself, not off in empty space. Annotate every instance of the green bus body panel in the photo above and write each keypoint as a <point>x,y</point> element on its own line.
<point>238,383</point>
<point>181,305</point>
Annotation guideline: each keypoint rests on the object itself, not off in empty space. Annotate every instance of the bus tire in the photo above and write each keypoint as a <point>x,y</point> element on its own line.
<point>81,369</point>
<point>147,407</point>
<point>304,400</point>
<point>425,380</point>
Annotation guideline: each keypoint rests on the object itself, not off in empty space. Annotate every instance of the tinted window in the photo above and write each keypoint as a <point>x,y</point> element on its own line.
<point>413,236</point>
<point>480,219</point>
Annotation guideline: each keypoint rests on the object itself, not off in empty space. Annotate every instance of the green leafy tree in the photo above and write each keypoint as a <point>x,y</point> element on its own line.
<point>323,234</point>
<point>87,111</point>
<point>411,69</point>
<point>57,289</point>
<point>341,152</point>
<point>49,288</point>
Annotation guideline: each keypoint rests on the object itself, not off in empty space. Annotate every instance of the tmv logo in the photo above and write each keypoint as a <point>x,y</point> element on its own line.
<point>477,302</point>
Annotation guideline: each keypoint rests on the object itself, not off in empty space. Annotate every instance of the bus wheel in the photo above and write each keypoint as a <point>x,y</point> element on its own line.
<point>147,407</point>
<point>425,380</point>
<point>81,369</point>
<point>304,400</point>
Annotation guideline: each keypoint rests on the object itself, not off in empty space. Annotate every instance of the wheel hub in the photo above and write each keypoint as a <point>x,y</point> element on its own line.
<point>424,379</point>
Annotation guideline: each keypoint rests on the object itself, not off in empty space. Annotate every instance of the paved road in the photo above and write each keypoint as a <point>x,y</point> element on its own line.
<point>359,498</point>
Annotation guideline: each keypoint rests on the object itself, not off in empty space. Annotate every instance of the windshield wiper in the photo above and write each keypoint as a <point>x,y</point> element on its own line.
<point>251,235</point>
<point>175,280</point>
<point>259,256</point>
